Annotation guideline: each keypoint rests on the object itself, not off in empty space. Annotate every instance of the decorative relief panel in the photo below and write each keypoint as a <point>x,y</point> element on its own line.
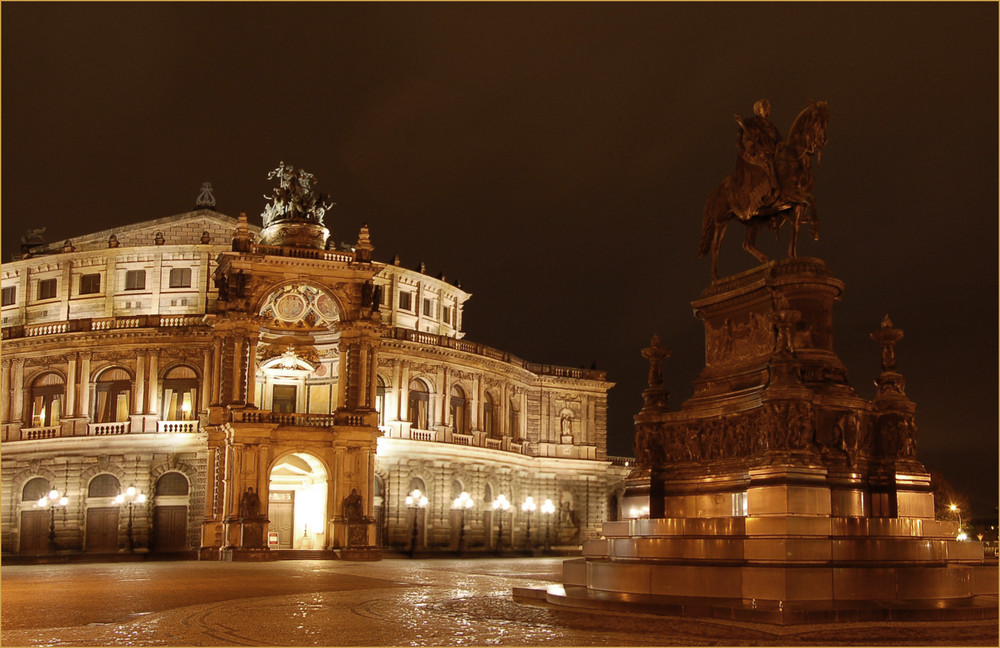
<point>734,342</point>
<point>299,307</point>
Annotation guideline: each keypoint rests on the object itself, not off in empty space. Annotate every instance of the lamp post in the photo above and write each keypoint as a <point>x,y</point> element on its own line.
<point>548,508</point>
<point>130,497</point>
<point>501,504</point>
<point>50,502</point>
<point>461,504</point>
<point>528,507</point>
<point>958,512</point>
<point>415,501</point>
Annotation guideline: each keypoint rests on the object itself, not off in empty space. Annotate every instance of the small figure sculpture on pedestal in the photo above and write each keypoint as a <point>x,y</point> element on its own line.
<point>890,382</point>
<point>655,396</point>
<point>252,526</point>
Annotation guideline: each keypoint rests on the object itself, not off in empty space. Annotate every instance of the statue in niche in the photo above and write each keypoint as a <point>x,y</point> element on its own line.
<point>772,181</point>
<point>353,507</point>
<point>249,505</point>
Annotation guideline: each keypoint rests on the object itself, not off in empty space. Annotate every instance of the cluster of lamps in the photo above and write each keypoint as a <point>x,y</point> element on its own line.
<point>131,497</point>
<point>417,501</point>
<point>50,502</point>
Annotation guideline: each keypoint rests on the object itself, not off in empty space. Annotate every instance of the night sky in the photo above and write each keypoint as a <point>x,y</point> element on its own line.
<point>555,158</point>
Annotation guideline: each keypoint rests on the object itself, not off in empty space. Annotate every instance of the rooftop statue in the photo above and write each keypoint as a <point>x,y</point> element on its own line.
<point>294,197</point>
<point>772,181</point>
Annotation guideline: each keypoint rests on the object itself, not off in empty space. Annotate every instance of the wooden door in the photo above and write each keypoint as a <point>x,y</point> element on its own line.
<point>280,514</point>
<point>102,529</point>
<point>170,528</point>
<point>34,532</point>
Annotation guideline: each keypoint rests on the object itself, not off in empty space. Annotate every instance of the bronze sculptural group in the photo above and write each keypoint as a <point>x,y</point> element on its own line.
<point>772,181</point>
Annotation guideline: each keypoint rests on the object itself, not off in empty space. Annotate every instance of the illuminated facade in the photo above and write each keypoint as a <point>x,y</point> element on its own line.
<point>197,357</point>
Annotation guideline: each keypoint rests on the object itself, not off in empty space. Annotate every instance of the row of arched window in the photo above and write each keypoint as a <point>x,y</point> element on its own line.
<point>112,396</point>
<point>459,415</point>
<point>107,485</point>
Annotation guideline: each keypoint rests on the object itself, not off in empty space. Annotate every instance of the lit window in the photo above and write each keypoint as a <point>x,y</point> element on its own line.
<point>9,293</point>
<point>180,277</point>
<point>134,280</point>
<point>90,284</point>
<point>47,289</point>
<point>404,300</point>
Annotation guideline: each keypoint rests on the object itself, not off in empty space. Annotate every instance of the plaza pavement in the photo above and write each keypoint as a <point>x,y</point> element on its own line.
<point>397,602</point>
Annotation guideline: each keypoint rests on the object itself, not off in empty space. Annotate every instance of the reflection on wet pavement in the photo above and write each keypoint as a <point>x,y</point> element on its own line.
<point>441,602</point>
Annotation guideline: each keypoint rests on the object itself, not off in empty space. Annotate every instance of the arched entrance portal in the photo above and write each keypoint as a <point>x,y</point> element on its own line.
<point>297,503</point>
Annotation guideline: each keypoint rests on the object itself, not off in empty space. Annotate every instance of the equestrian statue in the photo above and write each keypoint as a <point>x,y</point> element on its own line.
<point>772,182</point>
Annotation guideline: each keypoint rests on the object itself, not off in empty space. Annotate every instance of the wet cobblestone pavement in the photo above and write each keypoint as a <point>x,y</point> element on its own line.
<point>398,602</point>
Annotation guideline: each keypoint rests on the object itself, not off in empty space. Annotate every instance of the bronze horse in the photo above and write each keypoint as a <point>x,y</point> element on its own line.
<point>790,200</point>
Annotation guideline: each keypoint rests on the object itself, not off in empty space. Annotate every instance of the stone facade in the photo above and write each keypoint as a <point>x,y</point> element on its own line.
<point>249,390</point>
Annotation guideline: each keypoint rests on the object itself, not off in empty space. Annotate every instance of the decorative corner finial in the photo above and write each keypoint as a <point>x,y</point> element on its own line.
<point>158,239</point>
<point>113,241</point>
<point>887,336</point>
<point>656,355</point>
<point>363,248</point>
<point>68,246</point>
<point>207,196</point>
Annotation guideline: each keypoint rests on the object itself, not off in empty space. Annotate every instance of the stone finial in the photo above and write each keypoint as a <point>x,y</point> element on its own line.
<point>241,236</point>
<point>887,336</point>
<point>158,239</point>
<point>656,355</point>
<point>112,241</point>
<point>68,246</point>
<point>458,283</point>
<point>395,259</point>
<point>422,267</point>
<point>441,276</point>
<point>207,196</point>
<point>206,238</point>
<point>363,248</point>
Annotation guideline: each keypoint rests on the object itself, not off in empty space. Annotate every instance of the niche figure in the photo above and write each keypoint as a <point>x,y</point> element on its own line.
<point>353,509</point>
<point>249,505</point>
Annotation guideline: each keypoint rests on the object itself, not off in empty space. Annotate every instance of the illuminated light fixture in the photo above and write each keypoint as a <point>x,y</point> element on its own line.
<point>131,497</point>
<point>416,501</point>
<point>501,505</point>
<point>548,508</point>
<point>462,503</point>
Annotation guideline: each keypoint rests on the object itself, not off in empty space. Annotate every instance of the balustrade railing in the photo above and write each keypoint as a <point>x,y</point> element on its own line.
<point>169,427</point>
<point>494,444</point>
<point>461,439</point>
<point>422,435</point>
<point>106,429</point>
<point>46,329</point>
<point>32,434</point>
<point>302,253</point>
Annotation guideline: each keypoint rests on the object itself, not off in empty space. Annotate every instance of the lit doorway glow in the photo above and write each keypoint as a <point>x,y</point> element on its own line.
<point>297,503</point>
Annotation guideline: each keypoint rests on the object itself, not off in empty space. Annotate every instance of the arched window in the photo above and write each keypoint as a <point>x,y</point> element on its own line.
<point>35,489</point>
<point>490,426</point>
<point>180,394</point>
<point>513,420</point>
<point>459,412</point>
<point>104,486</point>
<point>47,400</point>
<point>113,390</point>
<point>380,399</point>
<point>172,483</point>
<point>418,404</point>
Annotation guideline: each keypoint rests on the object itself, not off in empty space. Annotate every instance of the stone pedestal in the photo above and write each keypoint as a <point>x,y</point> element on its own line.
<point>248,539</point>
<point>777,487</point>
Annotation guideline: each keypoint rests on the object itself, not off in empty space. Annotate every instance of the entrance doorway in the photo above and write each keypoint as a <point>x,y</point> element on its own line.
<point>297,503</point>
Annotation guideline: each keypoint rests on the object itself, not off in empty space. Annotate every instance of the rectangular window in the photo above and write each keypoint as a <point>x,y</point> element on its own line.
<point>404,300</point>
<point>427,308</point>
<point>134,280</point>
<point>180,277</point>
<point>283,399</point>
<point>447,314</point>
<point>47,289</point>
<point>9,293</point>
<point>90,284</point>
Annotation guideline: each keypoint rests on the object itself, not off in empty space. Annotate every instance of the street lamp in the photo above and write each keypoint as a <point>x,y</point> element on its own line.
<point>500,505</point>
<point>958,512</point>
<point>528,507</point>
<point>131,497</point>
<point>461,504</point>
<point>415,501</point>
<point>50,502</point>
<point>548,508</point>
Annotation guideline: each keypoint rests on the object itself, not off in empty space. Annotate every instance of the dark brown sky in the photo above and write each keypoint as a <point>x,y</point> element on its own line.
<point>556,159</point>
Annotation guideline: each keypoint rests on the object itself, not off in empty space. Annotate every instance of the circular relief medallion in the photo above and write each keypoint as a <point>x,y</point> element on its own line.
<point>290,307</point>
<point>326,307</point>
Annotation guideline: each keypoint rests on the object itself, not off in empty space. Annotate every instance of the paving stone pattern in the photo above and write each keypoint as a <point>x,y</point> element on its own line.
<point>399,602</point>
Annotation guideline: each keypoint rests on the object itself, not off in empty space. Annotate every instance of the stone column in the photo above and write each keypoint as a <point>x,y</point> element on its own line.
<point>206,381</point>
<point>404,390</point>
<point>140,383</point>
<point>71,386</point>
<point>154,369</point>
<point>237,376</point>
<point>214,396</point>
<point>17,393</point>
<point>4,390</point>
<point>442,394</point>
<point>85,385</point>
<point>252,371</point>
